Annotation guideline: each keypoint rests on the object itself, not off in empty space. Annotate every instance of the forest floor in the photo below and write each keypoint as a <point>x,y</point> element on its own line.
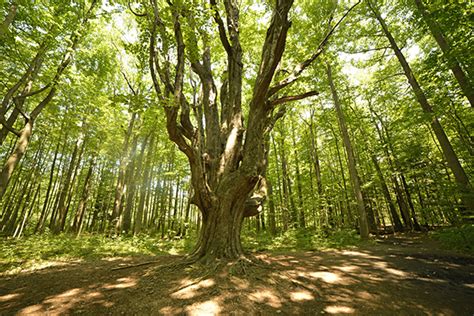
<point>401,275</point>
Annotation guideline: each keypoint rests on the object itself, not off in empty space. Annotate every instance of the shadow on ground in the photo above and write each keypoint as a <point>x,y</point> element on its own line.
<point>398,276</point>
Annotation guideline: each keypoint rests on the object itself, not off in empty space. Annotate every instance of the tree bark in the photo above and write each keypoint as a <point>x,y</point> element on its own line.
<point>62,207</point>
<point>144,187</point>
<point>363,223</point>
<point>228,163</point>
<point>462,180</point>
<point>453,62</point>
<point>15,157</point>
<point>395,218</point>
<point>81,207</point>
<point>8,19</point>
<point>120,187</point>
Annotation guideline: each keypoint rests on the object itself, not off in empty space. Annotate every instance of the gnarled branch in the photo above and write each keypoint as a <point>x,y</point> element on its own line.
<point>291,98</point>
<point>302,66</point>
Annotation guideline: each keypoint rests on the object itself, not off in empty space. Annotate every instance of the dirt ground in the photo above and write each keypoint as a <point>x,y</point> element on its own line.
<point>404,275</point>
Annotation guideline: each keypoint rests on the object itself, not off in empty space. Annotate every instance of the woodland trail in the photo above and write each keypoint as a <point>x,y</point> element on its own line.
<point>400,275</point>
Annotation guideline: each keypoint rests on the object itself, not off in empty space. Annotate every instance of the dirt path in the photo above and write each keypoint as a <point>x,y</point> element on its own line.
<point>399,275</point>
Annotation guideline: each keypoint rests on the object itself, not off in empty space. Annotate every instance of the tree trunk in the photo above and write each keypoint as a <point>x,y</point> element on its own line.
<point>271,209</point>
<point>286,181</point>
<point>144,187</point>
<point>120,187</point>
<point>8,19</point>
<point>317,166</point>
<point>395,218</point>
<point>363,223</point>
<point>453,62</point>
<point>229,161</point>
<point>81,208</point>
<point>220,231</point>
<point>130,183</point>
<point>40,224</point>
<point>62,207</point>
<point>301,214</point>
<point>15,157</point>
<point>451,158</point>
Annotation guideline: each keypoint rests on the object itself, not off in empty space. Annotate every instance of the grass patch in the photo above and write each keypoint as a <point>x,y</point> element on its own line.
<point>38,250</point>
<point>457,238</point>
<point>300,239</point>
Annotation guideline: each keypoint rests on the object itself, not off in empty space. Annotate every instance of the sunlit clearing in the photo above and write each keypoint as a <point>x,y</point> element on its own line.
<point>301,295</point>
<point>31,310</point>
<point>170,310</point>
<point>191,290</point>
<point>327,277</point>
<point>70,293</point>
<point>268,297</point>
<point>347,268</point>
<point>358,254</point>
<point>336,309</point>
<point>9,297</point>
<point>383,265</point>
<point>240,283</point>
<point>122,284</point>
<point>210,307</point>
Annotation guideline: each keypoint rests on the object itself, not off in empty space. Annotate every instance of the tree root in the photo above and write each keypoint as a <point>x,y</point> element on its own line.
<point>177,264</point>
<point>206,265</point>
<point>134,265</point>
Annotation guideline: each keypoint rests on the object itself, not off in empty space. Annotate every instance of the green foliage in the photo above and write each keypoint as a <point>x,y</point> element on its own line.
<point>39,251</point>
<point>458,238</point>
<point>301,239</point>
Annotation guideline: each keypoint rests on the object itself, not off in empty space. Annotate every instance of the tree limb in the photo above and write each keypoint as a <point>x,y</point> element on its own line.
<point>135,13</point>
<point>34,92</point>
<point>293,98</point>
<point>221,27</point>
<point>302,66</point>
<point>8,127</point>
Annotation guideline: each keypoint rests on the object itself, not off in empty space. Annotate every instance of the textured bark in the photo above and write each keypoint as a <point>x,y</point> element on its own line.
<point>81,207</point>
<point>453,62</point>
<point>130,183</point>
<point>143,189</point>
<point>25,133</point>
<point>299,185</point>
<point>317,166</point>
<point>64,193</point>
<point>460,175</point>
<point>120,187</point>
<point>352,164</point>
<point>227,158</point>
<point>286,181</point>
<point>388,198</point>
<point>8,19</point>
<point>40,225</point>
<point>15,157</point>
<point>341,168</point>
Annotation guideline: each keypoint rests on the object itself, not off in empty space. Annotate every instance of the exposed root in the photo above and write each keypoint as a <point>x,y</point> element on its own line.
<point>135,265</point>
<point>175,265</point>
<point>206,265</point>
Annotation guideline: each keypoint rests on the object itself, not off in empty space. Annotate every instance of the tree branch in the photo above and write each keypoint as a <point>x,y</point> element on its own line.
<point>34,92</point>
<point>8,127</point>
<point>293,98</point>
<point>221,27</point>
<point>128,82</point>
<point>302,66</point>
<point>135,13</point>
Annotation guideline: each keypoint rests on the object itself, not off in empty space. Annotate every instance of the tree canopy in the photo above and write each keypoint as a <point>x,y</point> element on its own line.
<point>216,118</point>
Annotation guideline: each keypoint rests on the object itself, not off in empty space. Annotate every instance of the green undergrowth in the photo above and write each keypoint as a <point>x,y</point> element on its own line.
<point>456,238</point>
<point>37,251</point>
<point>300,239</point>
